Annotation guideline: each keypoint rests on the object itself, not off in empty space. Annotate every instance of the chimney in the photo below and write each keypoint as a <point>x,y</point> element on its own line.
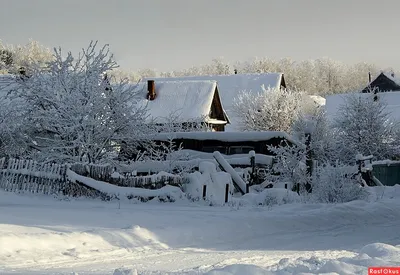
<point>235,71</point>
<point>151,90</point>
<point>22,71</point>
<point>369,77</point>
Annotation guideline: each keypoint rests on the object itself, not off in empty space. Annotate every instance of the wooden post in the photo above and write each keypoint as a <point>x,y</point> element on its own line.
<point>204,191</point>
<point>285,185</point>
<point>226,192</point>
<point>309,161</point>
<point>253,168</point>
<point>247,188</point>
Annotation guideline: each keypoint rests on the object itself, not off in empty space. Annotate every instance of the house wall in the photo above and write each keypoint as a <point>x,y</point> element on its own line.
<point>217,127</point>
<point>209,146</point>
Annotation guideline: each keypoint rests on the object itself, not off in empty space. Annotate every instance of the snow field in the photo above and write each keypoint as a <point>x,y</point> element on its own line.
<point>42,235</point>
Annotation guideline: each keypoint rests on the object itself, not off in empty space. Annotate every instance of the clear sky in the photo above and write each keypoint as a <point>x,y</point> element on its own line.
<point>174,34</point>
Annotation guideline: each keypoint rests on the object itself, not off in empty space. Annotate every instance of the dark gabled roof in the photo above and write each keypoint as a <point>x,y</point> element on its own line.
<point>384,82</point>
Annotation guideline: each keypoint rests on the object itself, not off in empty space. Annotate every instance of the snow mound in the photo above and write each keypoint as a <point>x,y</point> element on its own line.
<point>379,250</point>
<point>121,271</point>
<point>207,167</point>
<point>38,242</point>
<point>216,185</point>
<point>376,254</point>
<point>269,197</point>
<point>384,192</point>
<point>239,269</point>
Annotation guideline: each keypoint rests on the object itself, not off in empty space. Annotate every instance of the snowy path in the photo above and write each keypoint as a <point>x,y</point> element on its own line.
<point>44,236</point>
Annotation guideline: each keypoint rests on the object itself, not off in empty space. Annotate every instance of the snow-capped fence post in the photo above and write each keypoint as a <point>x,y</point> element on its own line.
<point>204,191</point>
<point>226,192</point>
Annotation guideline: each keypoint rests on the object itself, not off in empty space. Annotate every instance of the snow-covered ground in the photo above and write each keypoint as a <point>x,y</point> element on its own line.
<point>42,235</point>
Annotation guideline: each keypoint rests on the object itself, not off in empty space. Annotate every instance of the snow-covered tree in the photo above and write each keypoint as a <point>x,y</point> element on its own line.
<point>322,144</point>
<point>337,184</point>
<point>13,124</point>
<point>364,126</point>
<point>290,164</point>
<point>269,110</point>
<point>33,54</point>
<point>78,114</point>
<point>6,59</point>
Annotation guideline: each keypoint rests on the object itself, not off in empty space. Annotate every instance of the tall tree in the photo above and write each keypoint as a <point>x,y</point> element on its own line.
<point>364,126</point>
<point>77,115</point>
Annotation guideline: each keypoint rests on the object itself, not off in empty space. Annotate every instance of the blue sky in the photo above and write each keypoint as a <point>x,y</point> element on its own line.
<point>174,34</point>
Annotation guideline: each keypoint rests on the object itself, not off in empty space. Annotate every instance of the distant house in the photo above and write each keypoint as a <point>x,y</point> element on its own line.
<point>384,82</point>
<point>182,102</point>
<point>230,86</point>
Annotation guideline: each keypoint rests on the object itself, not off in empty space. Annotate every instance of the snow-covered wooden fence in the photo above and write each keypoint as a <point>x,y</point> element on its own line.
<point>97,172</point>
<point>19,175</point>
<point>148,182</point>
<point>108,173</point>
<point>28,176</point>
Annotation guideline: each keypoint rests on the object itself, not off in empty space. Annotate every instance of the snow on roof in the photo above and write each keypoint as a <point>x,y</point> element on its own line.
<point>393,78</point>
<point>319,100</point>
<point>391,99</point>
<point>182,100</point>
<point>223,136</point>
<point>230,86</point>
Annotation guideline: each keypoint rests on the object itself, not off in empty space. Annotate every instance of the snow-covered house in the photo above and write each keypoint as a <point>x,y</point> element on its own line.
<point>384,82</point>
<point>183,102</point>
<point>230,86</point>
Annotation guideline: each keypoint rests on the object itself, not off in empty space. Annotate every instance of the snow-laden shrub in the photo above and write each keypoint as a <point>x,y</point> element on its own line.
<point>337,184</point>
